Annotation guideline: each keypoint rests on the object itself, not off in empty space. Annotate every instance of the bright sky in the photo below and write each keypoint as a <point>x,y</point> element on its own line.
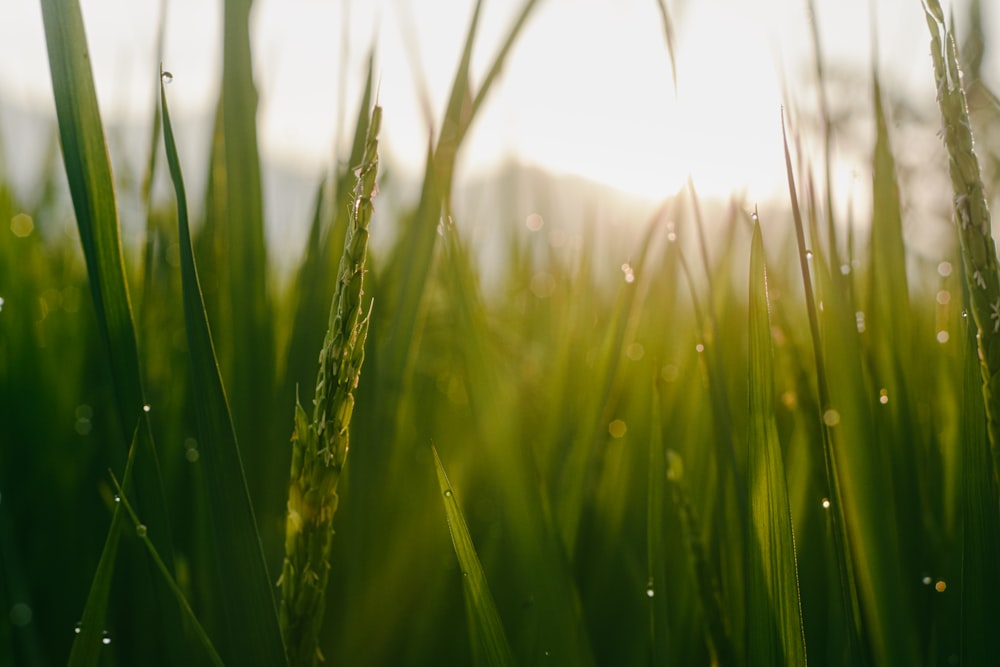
<point>587,89</point>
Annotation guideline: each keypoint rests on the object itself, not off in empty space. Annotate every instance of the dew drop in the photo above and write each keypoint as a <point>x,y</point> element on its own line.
<point>105,637</point>
<point>118,498</point>
<point>831,417</point>
<point>141,530</point>
<point>883,396</point>
<point>845,269</point>
<point>77,628</point>
<point>944,269</point>
<point>943,337</point>
<point>447,493</point>
<point>650,591</point>
<point>167,77</point>
<point>699,347</point>
<point>926,581</point>
<point>826,503</point>
<point>146,408</point>
<point>859,318</point>
<point>940,586</point>
<point>809,254</point>
<point>965,314</point>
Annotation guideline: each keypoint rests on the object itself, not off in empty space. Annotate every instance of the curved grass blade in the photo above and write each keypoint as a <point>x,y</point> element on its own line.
<point>772,579</point>
<point>486,633</point>
<point>142,532</point>
<point>244,584</point>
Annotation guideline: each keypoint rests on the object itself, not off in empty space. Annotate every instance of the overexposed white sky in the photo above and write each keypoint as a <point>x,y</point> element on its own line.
<point>587,89</point>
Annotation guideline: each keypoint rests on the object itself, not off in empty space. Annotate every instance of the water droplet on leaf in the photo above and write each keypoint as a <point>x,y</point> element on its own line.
<point>167,77</point>
<point>105,637</point>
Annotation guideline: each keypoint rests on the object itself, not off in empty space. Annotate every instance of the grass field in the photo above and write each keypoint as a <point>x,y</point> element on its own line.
<point>775,444</point>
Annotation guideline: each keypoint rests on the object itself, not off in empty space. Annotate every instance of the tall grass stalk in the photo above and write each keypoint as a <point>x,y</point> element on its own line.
<point>972,213</point>
<point>320,444</point>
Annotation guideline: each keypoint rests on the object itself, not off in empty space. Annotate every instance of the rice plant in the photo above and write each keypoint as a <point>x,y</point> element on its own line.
<point>777,448</point>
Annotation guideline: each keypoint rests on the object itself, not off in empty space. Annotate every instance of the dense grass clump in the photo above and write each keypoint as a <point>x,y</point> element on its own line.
<point>630,448</point>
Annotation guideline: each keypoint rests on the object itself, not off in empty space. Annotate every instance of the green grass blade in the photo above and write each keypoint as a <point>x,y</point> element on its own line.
<point>244,584</point>
<point>87,644</point>
<point>870,544</point>
<point>489,642</point>
<point>657,589</point>
<point>776,635</point>
<point>850,605</point>
<point>889,313</point>
<point>498,62</point>
<point>142,532</point>
<point>706,578</point>
<point>413,257</point>
<point>980,518</point>
<point>88,172</point>
<point>252,338</point>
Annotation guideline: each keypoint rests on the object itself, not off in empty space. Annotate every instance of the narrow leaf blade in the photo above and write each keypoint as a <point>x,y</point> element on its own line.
<point>772,581</point>
<point>244,584</point>
<point>489,641</point>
